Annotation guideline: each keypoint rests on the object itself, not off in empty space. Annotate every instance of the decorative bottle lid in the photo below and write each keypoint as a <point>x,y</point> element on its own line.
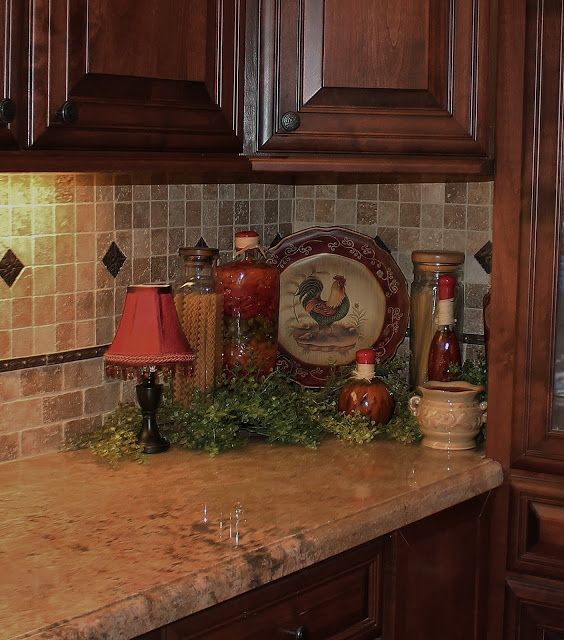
<point>365,360</point>
<point>437,261</point>
<point>445,312</point>
<point>246,240</point>
<point>198,252</point>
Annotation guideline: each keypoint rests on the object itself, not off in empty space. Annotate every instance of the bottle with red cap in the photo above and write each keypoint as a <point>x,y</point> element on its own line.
<point>250,307</point>
<point>444,352</point>
<point>364,393</point>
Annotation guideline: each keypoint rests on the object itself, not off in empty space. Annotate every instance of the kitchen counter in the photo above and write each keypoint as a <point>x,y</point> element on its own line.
<point>88,552</point>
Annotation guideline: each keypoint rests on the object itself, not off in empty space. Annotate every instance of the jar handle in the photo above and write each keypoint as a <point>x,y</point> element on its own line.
<point>414,404</point>
<point>483,407</point>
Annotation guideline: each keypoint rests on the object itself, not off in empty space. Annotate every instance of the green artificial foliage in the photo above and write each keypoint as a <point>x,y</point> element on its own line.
<point>273,409</point>
<point>116,440</point>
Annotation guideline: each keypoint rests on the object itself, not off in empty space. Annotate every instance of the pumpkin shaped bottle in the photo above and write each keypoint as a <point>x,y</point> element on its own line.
<point>364,393</point>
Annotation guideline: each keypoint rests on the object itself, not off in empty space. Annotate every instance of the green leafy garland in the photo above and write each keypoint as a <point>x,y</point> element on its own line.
<point>273,408</point>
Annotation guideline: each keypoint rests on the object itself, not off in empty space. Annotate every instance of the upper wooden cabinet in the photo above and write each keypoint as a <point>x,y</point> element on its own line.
<point>11,17</point>
<point>396,79</point>
<point>135,74</point>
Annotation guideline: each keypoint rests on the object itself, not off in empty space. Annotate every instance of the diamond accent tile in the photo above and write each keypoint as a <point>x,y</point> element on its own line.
<point>113,259</point>
<point>275,241</point>
<point>10,267</point>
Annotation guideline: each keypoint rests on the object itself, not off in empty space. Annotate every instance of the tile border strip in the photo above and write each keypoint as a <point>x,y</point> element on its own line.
<point>14,364</point>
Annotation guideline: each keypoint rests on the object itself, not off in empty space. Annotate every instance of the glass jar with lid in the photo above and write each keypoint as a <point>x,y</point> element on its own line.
<point>427,267</point>
<point>250,322</point>
<point>198,297</point>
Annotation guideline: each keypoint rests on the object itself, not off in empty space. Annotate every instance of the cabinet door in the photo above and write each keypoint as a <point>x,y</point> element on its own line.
<point>10,107</point>
<point>537,429</point>
<point>135,74</point>
<point>439,576</point>
<point>534,612</point>
<point>392,77</point>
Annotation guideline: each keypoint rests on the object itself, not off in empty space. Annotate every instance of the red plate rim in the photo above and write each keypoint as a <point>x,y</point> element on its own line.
<point>353,246</point>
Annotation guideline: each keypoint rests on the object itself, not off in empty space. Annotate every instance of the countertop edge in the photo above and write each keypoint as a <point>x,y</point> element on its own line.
<point>166,603</point>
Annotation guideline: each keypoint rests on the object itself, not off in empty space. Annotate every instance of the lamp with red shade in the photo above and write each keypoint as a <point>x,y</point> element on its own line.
<point>149,338</point>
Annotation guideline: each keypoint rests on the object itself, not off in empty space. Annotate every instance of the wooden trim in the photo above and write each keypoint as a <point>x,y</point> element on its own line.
<point>534,445</point>
<point>62,161</point>
<point>437,166</point>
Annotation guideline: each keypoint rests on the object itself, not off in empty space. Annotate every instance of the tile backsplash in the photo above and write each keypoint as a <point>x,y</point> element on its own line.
<point>71,243</point>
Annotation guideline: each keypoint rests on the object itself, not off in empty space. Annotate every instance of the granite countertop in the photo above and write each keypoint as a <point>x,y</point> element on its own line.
<point>87,551</point>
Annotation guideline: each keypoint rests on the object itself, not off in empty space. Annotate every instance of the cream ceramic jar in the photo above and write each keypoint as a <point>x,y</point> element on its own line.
<point>449,414</point>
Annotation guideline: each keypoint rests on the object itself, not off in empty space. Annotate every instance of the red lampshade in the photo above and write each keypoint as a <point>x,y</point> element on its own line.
<point>149,333</point>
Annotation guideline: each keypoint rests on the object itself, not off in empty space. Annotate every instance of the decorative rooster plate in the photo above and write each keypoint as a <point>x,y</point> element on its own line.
<point>339,292</point>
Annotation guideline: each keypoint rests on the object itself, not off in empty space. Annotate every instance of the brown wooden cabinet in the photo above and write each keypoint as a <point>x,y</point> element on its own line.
<point>387,87</point>
<point>525,429</point>
<point>11,20</point>
<point>398,84</point>
<point>135,75</point>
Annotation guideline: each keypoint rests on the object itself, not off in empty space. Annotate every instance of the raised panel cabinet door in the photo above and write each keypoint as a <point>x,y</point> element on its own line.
<point>11,112</point>
<point>389,77</point>
<point>537,429</point>
<point>135,74</point>
<point>535,611</point>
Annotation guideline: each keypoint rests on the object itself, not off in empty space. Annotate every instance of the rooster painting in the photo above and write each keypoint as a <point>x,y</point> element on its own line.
<point>324,313</point>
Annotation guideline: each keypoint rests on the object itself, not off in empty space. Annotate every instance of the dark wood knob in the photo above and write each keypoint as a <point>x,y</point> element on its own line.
<point>301,633</point>
<point>7,110</point>
<point>291,121</point>
<point>68,113</point>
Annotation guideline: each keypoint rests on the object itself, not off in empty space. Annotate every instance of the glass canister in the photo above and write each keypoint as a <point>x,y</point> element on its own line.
<point>427,267</point>
<point>250,309</point>
<point>198,297</point>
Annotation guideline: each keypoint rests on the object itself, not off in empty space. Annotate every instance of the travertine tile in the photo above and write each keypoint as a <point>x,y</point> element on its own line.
<point>21,414</point>
<point>410,214</point>
<point>388,192</point>
<point>9,446</point>
<point>82,374</point>
<point>65,297</point>
<point>41,440</point>
<point>366,212</point>
<point>102,398</point>
<point>456,192</point>
<point>40,380</point>
<point>347,191</point>
<point>324,210</point>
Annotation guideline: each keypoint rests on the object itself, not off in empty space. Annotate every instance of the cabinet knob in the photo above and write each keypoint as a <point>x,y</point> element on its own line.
<point>68,113</point>
<point>7,110</point>
<point>301,633</point>
<point>291,121</point>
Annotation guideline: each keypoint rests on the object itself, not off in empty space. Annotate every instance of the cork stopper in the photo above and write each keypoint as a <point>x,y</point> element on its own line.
<point>246,240</point>
<point>445,308</point>
<point>365,359</point>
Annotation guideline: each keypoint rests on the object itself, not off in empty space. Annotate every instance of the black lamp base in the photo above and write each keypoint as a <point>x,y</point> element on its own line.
<point>149,398</point>
<point>155,447</point>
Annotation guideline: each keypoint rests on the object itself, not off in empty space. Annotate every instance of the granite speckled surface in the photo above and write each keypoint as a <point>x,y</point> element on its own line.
<point>89,552</point>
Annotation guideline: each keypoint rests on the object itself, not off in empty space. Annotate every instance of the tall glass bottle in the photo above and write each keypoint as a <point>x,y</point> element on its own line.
<point>428,266</point>
<point>199,303</point>
<point>251,299</point>
<point>444,353</point>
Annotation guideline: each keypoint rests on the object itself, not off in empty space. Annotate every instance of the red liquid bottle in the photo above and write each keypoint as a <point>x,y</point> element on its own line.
<point>444,353</point>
